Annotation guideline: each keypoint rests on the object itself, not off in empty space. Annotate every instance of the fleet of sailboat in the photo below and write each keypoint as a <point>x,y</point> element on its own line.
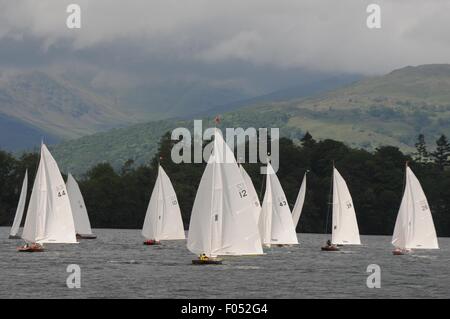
<point>345,229</point>
<point>298,207</point>
<point>227,218</point>
<point>79,211</point>
<point>275,223</point>
<point>49,217</point>
<point>223,219</point>
<point>13,234</point>
<point>414,227</point>
<point>163,219</point>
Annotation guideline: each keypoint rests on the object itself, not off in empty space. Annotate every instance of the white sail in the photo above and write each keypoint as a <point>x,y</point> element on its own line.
<point>414,227</point>
<point>298,207</point>
<point>49,216</point>
<point>252,193</point>
<point>222,220</point>
<point>80,214</point>
<point>20,207</point>
<point>163,219</point>
<point>345,226</point>
<point>275,223</point>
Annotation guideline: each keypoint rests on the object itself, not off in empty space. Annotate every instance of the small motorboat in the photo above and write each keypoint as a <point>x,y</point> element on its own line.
<point>14,237</point>
<point>33,248</point>
<point>151,242</point>
<point>207,261</point>
<point>400,252</point>
<point>91,236</point>
<point>330,248</point>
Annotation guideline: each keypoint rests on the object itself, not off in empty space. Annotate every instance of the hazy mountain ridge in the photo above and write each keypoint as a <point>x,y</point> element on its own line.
<point>391,109</point>
<point>63,104</point>
<point>56,106</point>
<point>386,110</point>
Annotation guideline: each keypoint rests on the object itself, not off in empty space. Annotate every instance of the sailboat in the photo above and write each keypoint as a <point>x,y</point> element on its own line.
<point>20,209</point>
<point>275,223</point>
<point>252,193</point>
<point>298,207</point>
<point>80,215</point>
<point>222,220</point>
<point>414,227</point>
<point>345,229</point>
<point>49,216</point>
<point>163,219</point>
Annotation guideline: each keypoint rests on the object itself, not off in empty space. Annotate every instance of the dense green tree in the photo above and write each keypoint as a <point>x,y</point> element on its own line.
<point>421,155</point>
<point>442,154</point>
<point>119,198</point>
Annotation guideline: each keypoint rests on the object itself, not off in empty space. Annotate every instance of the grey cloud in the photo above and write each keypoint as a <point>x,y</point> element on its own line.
<point>221,40</point>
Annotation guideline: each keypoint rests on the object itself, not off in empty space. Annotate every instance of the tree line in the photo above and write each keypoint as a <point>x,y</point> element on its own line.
<point>119,199</point>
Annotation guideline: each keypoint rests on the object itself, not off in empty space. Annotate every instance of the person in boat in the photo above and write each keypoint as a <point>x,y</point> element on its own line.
<point>330,244</point>
<point>203,256</point>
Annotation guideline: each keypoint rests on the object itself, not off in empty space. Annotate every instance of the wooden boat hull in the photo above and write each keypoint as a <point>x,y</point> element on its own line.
<point>30,249</point>
<point>330,248</point>
<point>213,261</point>
<point>86,236</point>
<point>152,242</point>
<point>399,252</point>
<point>14,237</point>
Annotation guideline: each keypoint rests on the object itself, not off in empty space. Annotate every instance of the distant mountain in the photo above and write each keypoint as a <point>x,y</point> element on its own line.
<point>63,106</point>
<point>391,109</point>
<point>299,91</point>
<point>56,106</point>
<point>16,135</point>
<point>385,110</point>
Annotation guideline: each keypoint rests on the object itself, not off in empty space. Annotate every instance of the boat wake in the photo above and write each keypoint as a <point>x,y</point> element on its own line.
<point>424,256</point>
<point>128,262</point>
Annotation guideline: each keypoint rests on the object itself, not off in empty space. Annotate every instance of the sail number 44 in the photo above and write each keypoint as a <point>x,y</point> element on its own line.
<point>245,308</point>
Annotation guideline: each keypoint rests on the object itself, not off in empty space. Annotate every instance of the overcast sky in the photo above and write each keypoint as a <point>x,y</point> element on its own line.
<point>233,39</point>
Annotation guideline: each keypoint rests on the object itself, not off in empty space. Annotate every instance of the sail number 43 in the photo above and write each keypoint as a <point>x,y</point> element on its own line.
<point>245,308</point>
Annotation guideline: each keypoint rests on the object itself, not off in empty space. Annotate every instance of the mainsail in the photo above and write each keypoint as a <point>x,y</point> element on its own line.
<point>252,193</point>
<point>80,214</point>
<point>275,223</point>
<point>414,227</point>
<point>222,219</point>
<point>163,219</point>
<point>20,207</point>
<point>298,207</point>
<point>49,216</point>
<point>345,227</point>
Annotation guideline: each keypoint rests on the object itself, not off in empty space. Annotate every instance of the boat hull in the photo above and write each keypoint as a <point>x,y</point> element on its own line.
<point>31,249</point>
<point>400,252</point>
<point>86,236</point>
<point>214,261</point>
<point>152,242</point>
<point>14,237</point>
<point>330,248</point>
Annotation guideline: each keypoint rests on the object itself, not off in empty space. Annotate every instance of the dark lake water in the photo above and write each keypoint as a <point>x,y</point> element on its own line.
<point>117,265</point>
